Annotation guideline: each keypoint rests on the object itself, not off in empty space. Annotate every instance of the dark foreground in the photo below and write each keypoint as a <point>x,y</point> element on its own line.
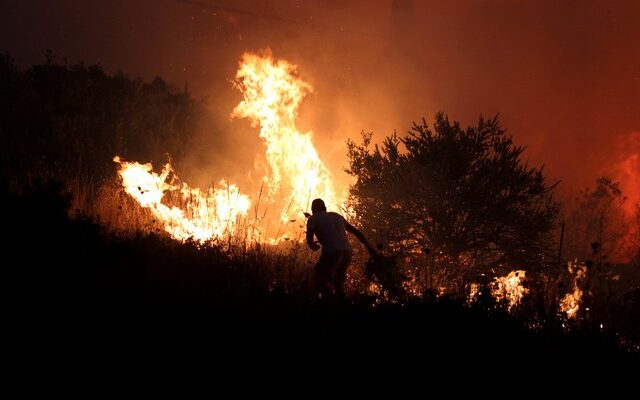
<point>79,295</point>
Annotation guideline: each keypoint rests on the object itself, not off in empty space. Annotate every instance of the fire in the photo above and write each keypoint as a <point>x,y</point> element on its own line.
<point>272,93</point>
<point>570,303</point>
<point>204,215</point>
<point>474,292</point>
<point>510,288</point>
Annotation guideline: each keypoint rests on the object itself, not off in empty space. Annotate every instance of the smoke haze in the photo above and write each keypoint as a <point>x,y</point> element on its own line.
<point>564,76</point>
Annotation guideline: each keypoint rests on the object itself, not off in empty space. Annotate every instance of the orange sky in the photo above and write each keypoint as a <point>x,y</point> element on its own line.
<point>565,76</point>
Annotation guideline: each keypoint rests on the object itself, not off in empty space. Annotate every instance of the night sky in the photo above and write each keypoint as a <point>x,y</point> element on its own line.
<point>564,75</point>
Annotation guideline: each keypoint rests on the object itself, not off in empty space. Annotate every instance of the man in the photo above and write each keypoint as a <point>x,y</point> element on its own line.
<point>330,228</point>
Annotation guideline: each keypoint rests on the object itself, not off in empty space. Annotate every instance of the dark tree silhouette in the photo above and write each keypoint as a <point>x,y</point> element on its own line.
<point>70,120</point>
<point>598,216</point>
<point>464,194</point>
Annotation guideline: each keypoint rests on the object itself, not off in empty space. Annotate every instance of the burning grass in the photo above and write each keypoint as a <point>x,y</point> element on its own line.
<point>227,281</point>
<point>272,93</point>
<point>157,289</point>
<point>288,266</point>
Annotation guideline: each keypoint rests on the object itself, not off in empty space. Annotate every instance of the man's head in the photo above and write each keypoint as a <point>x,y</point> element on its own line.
<point>317,205</point>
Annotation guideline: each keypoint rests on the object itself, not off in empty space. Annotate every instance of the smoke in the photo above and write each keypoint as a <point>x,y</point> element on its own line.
<point>564,76</point>
<point>626,170</point>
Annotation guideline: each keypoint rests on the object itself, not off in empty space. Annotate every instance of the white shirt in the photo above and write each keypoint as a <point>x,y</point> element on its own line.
<point>330,229</point>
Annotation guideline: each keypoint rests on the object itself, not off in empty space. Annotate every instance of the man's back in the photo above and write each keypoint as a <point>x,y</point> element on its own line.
<point>330,229</point>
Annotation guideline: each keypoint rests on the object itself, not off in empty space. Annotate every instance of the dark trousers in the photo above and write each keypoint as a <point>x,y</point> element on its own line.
<point>331,272</point>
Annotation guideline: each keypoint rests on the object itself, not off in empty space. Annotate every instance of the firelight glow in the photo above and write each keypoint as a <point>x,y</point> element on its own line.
<point>272,93</point>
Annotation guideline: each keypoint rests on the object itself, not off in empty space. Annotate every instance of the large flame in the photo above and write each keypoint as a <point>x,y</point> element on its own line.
<point>203,215</point>
<point>272,93</point>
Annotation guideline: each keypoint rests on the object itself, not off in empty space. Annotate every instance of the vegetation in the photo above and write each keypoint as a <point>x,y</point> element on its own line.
<point>70,120</point>
<point>598,217</point>
<point>464,194</point>
<point>75,288</point>
<point>75,282</point>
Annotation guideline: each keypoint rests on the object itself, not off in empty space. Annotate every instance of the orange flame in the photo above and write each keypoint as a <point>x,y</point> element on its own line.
<point>272,93</point>
<point>509,288</point>
<point>205,214</point>
<point>570,303</point>
<point>474,293</point>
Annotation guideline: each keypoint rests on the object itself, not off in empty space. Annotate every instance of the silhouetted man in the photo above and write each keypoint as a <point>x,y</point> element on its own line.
<point>330,228</point>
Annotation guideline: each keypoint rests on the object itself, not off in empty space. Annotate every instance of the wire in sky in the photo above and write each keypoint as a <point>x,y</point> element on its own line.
<point>278,18</point>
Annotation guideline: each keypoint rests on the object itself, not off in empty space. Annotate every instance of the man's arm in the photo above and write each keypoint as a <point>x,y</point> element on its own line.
<point>313,245</point>
<point>361,238</point>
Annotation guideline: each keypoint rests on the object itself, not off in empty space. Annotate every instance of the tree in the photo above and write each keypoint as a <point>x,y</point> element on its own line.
<point>69,121</point>
<point>465,195</point>
<point>598,218</point>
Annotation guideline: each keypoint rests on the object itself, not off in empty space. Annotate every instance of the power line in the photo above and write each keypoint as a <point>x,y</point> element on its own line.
<point>325,28</point>
<point>233,10</point>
